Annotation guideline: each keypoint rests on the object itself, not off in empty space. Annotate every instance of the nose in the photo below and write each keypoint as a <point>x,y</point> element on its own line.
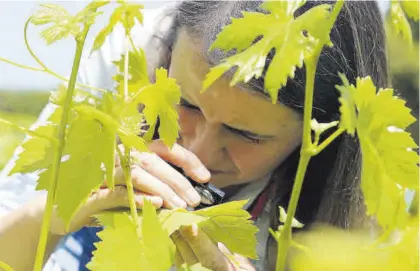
<point>208,144</point>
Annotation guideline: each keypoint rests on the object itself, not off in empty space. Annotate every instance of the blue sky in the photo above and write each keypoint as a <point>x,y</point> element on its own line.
<point>58,57</point>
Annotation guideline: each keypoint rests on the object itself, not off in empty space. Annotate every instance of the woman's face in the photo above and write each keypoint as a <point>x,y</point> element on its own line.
<point>239,135</point>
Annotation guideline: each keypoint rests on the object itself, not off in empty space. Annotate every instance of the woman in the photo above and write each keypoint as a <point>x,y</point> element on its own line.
<point>237,139</point>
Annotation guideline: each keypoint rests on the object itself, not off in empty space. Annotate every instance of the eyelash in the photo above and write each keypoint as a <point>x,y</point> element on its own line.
<point>250,139</point>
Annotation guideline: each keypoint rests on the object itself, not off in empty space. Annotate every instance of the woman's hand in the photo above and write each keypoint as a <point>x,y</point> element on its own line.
<point>153,178</point>
<point>152,174</point>
<point>195,246</point>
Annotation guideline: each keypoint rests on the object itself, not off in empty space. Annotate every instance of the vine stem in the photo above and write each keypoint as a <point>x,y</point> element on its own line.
<point>307,150</point>
<point>329,139</point>
<point>21,65</point>
<point>126,170</point>
<point>44,67</point>
<point>58,153</point>
<point>5,266</point>
<point>27,131</point>
<point>306,153</point>
<point>130,189</point>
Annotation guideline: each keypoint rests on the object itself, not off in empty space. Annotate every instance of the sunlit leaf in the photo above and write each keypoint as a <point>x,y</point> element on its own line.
<point>160,250</point>
<point>87,147</point>
<point>389,164</point>
<point>119,232</point>
<point>411,8</point>
<point>400,23</point>
<point>137,72</point>
<point>293,39</point>
<point>231,225</point>
<point>37,152</point>
<point>160,100</point>
<point>126,14</point>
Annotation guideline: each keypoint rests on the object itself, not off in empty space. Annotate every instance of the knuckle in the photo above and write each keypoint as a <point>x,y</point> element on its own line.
<point>147,160</point>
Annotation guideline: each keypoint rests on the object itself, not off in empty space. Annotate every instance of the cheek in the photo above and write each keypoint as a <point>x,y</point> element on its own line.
<point>187,122</point>
<point>256,161</point>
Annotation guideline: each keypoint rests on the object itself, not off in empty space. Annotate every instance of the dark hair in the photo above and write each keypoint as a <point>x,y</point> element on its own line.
<point>331,190</point>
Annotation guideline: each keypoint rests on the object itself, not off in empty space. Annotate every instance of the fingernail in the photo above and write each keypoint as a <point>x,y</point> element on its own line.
<point>202,173</point>
<point>193,197</point>
<point>178,202</point>
<point>156,201</point>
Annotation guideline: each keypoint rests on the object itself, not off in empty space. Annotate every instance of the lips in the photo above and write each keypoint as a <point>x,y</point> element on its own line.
<point>214,171</point>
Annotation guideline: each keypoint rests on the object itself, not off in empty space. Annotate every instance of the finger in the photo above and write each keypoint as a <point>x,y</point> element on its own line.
<point>146,182</point>
<point>105,199</point>
<point>239,261</point>
<point>184,249</point>
<point>158,167</point>
<point>205,249</point>
<point>182,158</point>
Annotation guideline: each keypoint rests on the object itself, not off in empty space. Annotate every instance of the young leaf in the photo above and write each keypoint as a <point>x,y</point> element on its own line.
<point>229,224</point>
<point>160,100</point>
<point>293,39</point>
<point>119,232</point>
<point>160,250</point>
<point>400,23</point>
<point>348,113</point>
<point>172,220</point>
<point>137,70</point>
<point>37,153</point>
<point>63,23</point>
<point>123,124</point>
<point>125,14</point>
<point>389,164</point>
<point>86,147</point>
<point>154,251</point>
<point>411,8</point>
<point>283,217</point>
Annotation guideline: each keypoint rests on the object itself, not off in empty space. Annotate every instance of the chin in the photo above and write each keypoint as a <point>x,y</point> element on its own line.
<point>226,181</point>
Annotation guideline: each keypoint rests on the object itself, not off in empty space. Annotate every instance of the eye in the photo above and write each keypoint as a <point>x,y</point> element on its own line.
<point>186,104</point>
<point>250,138</point>
<point>245,135</point>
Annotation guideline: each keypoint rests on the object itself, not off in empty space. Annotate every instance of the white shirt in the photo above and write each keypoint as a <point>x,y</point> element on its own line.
<point>97,70</point>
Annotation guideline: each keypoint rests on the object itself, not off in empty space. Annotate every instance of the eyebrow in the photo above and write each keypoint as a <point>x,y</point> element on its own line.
<point>228,127</point>
<point>251,85</point>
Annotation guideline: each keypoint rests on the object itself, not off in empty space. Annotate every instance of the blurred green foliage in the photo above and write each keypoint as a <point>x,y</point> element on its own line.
<point>22,108</point>
<point>404,69</point>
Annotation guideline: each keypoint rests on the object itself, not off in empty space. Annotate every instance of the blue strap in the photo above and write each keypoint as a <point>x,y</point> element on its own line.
<point>86,238</point>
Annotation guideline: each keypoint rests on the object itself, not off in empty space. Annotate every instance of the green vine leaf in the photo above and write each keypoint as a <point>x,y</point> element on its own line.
<point>152,251</point>
<point>63,23</point>
<point>229,224</point>
<point>119,232</point>
<point>160,100</point>
<point>137,70</point>
<point>411,9</point>
<point>37,153</point>
<point>172,220</point>
<point>87,146</point>
<point>389,164</point>
<point>400,23</point>
<point>126,14</point>
<point>160,250</point>
<point>294,39</point>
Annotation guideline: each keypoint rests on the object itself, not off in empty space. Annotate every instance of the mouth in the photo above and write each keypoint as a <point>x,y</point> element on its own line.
<point>214,171</point>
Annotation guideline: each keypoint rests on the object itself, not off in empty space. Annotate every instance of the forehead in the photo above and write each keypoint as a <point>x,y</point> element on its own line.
<point>234,106</point>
